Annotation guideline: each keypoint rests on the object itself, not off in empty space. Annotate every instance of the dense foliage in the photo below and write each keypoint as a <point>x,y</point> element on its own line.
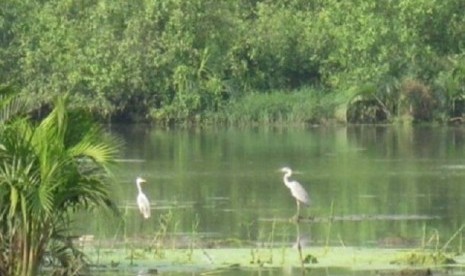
<point>177,60</point>
<point>48,170</point>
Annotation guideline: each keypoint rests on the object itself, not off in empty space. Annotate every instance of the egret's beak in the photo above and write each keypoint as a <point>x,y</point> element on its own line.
<point>143,180</point>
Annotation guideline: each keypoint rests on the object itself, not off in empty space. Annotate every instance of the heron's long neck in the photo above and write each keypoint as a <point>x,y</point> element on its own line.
<point>139,187</point>
<point>286,178</point>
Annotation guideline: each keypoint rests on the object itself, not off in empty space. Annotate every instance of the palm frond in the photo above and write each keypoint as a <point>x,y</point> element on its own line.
<point>10,104</point>
<point>51,130</point>
<point>101,153</point>
<point>14,105</point>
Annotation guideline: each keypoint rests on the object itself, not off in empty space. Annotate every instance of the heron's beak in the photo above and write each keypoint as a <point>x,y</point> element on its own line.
<point>143,180</point>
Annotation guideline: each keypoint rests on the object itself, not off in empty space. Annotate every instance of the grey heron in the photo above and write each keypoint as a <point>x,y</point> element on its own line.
<point>297,191</point>
<point>142,200</point>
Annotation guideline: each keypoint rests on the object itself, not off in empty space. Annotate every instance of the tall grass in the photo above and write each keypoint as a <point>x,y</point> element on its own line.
<point>302,106</point>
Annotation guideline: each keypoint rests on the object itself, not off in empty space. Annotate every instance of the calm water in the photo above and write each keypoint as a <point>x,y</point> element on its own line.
<point>384,186</point>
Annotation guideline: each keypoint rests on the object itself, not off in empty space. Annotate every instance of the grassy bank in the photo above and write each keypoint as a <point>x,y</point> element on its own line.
<point>413,102</point>
<point>297,107</point>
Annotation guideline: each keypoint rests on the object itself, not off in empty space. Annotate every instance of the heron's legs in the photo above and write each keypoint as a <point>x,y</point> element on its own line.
<point>297,214</point>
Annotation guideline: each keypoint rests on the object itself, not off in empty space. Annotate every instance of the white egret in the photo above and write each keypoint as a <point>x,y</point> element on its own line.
<point>297,191</point>
<point>142,200</point>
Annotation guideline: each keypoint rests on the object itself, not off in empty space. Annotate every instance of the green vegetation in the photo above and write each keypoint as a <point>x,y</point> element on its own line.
<point>216,260</point>
<point>49,170</point>
<point>299,106</point>
<point>189,61</point>
<point>176,252</point>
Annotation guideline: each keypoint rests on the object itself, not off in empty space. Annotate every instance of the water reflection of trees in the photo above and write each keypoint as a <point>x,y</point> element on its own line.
<point>227,178</point>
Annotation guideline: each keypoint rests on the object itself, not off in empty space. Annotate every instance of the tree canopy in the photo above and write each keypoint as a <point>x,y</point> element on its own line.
<point>174,60</point>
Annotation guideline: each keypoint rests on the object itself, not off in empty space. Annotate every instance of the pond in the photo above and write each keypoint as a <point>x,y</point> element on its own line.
<point>370,187</point>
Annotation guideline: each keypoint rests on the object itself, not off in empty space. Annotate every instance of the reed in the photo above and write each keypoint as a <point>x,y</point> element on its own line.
<point>330,222</point>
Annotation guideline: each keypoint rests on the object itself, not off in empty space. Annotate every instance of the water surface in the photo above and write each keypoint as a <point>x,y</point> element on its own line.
<point>383,186</point>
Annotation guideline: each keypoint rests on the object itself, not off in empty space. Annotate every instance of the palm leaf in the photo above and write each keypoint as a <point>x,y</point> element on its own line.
<point>10,104</point>
<point>14,105</point>
<point>101,153</point>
